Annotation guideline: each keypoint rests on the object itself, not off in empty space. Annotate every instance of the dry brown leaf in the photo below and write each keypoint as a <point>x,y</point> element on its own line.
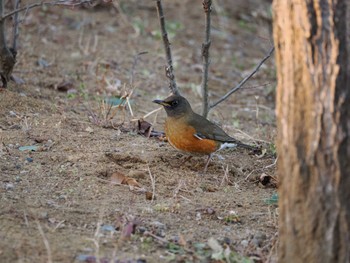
<point>117,178</point>
<point>182,241</point>
<point>149,196</point>
<point>131,182</point>
<point>144,127</point>
<point>129,229</point>
<point>65,85</point>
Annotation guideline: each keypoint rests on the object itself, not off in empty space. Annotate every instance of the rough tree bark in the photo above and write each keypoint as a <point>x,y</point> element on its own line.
<point>313,112</point>
<point>7,56</point>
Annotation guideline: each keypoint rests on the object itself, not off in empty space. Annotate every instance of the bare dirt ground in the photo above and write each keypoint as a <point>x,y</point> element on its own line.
<point>59,200</point>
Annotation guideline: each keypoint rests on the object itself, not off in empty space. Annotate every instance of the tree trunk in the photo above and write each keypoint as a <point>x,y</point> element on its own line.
<point>7,57</point>
<point>313,120</point>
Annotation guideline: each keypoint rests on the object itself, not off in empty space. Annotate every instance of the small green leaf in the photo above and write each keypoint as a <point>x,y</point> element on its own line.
<point>32,148</point>
<point>115,101</point>
<point>273,200</point>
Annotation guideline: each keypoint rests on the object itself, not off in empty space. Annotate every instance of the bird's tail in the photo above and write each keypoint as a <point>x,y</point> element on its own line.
<point>246,146</point>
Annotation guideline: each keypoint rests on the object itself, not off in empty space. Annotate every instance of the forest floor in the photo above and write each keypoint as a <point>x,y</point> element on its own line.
<point>64,153</point>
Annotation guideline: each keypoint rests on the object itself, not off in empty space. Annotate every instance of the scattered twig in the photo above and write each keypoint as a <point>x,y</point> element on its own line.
<point>134,189</point>
<point>271,165</point>
<point>225,177</point>
<point>129,105</point>
<point>124,17</point>
<point>70,3</point>
<point>133,67</point>
<point>153,183</point>
<point>186,199</point>
<point>273,244</point>
<point>25,219</point>
<point>6,148</point>
<point>252,138</point>
<point>46,242</point>
<point>205,56</point>
<point>258,86</point>
<point>178,188</point>
<point>152,112</point>
<point>257,110</point>
<point>246,178</point>
<point>169,69</point>
<point>58,225</point>
<point>240,85</point>
<point>162,240</point>
<point>96,238</point>
<point>88,47</point>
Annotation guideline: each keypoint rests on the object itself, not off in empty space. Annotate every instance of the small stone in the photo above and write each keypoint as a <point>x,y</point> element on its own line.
<point>108,228</point>
<point>258,239</point>
<point>149,196</point>
<point>227,241</point>
<point>43,215</point>
<point>89,130</point>
<point>29,160</point>
<point>142,229</point>
<point>9,186</point>
<point>158,225</point>
<point>244,243</point>
<point>62,197</point>
<point>199,190</point>
<point>210,211</point>
<point>18,179</point>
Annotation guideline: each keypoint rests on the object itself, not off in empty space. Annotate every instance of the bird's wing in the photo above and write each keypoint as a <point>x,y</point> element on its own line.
<point>208,130</point>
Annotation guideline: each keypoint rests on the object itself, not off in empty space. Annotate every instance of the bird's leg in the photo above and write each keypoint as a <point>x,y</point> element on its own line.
<point>207,163</point>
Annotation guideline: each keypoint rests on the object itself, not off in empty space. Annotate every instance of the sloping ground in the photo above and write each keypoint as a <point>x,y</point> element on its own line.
<point>59,201</point>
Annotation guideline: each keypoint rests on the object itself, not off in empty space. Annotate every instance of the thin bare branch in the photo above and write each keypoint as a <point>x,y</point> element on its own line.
<point>153,183</point>
<point>46,242</point>
<point>133,67</point>
<point>169,69</point>
<point>15,26</point>
<point>70,3</point>
<point>205,56</point>
<point>240,85</point>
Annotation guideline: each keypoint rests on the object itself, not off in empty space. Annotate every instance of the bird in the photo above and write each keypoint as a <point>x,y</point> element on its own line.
<point>192,133</point>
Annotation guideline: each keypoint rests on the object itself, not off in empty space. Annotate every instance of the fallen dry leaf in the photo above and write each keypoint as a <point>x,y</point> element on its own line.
<point>129,229</point>
<point>182,241</point>
<point>119,178</point>
<point>149,196</point>
<point>144,127</point>
<point>64,86</point>
<point>131,182</point>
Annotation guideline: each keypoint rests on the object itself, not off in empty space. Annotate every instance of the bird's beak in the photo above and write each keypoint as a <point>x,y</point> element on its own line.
<point>162,102</point>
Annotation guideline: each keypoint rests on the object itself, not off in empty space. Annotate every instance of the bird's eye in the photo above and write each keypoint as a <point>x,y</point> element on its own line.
<point>174,103</point>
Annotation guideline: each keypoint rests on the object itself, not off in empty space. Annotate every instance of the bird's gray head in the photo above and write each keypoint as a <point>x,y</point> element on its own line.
<point>175,106</point>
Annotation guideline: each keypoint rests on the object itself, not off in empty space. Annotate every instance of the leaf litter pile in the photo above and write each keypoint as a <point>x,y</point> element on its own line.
<point>86,172</point>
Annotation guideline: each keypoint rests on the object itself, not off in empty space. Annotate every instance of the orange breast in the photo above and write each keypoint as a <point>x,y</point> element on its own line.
<point>181,136</point>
